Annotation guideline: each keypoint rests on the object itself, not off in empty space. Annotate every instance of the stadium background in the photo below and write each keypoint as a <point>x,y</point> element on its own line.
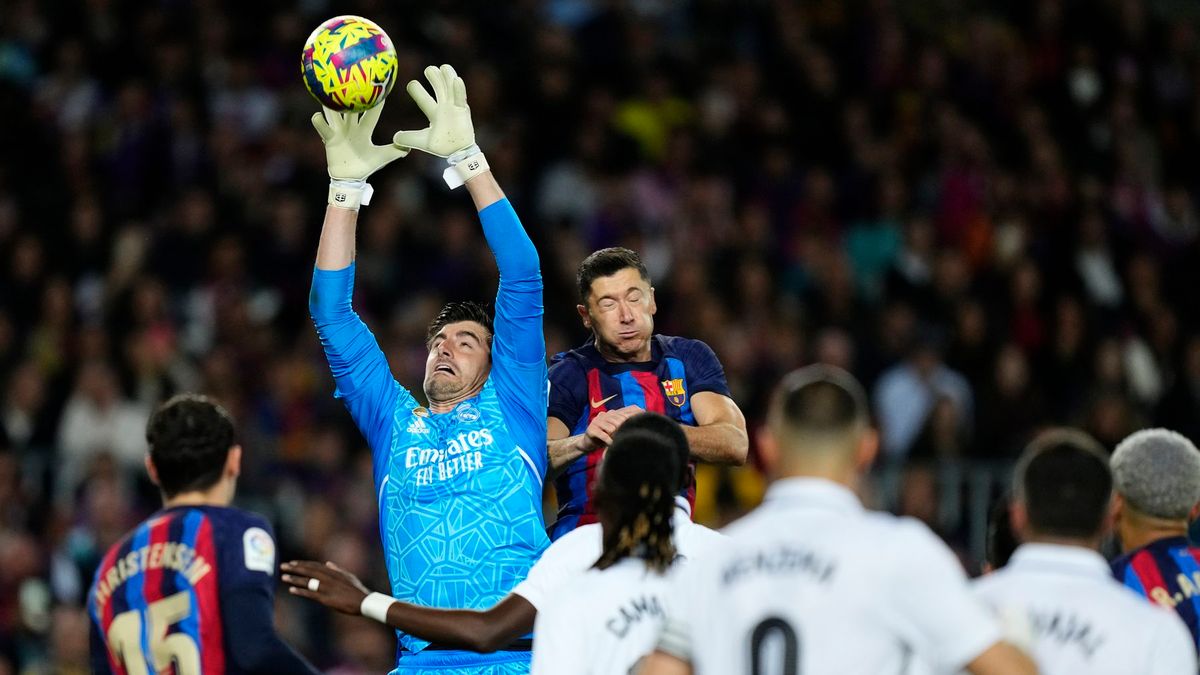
<point>1001,194</point>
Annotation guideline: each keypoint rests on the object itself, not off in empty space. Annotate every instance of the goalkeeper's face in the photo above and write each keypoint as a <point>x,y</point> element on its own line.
<point>620,312</point>
<point>459,361</point>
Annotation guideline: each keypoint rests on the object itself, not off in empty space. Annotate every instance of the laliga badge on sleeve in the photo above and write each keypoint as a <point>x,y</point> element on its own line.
<point>259,549</point>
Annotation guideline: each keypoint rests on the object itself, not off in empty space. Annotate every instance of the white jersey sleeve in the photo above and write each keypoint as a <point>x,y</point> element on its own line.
<point>560,645</point>
<point>930,593</point>
<point>676,637</point>
<point>566,558</point>
<point>1175,651</point>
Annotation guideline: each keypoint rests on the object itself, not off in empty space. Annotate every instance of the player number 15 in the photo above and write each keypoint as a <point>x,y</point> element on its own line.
<point>125,638</point>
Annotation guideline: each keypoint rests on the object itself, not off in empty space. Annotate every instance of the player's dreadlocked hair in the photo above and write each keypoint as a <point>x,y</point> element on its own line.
<point>190,436</point>
<point>635,496</point>
<point>454,312</point>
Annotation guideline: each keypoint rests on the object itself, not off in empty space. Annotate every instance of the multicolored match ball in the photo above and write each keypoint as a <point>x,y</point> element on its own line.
<point>349,64</point>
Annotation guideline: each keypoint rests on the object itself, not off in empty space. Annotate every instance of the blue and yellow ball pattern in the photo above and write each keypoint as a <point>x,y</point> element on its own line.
<point>349,64</point>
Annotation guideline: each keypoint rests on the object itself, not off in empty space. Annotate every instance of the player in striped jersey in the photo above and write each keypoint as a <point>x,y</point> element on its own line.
<point>626,368</point>
<point>193,586</point>
<point>552,575</point>
<point>1156,474</point>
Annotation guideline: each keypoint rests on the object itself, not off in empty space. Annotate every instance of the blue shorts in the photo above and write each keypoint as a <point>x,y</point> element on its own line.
<point>438,662</point>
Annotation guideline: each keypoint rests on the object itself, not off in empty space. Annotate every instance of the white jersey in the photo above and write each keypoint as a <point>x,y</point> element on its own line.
<point>602,623</point>
<point>580,548</point>
<point>1083,621</point>
<point>813,583</point>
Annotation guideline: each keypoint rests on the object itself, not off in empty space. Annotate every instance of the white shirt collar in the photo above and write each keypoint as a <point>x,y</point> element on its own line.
<point>1074,560</point>
<point>813,493</point>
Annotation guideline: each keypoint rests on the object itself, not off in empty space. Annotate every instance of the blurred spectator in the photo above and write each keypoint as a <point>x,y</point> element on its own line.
<point>96,421</point>
<point>908,393</point>
<point>987,214</point>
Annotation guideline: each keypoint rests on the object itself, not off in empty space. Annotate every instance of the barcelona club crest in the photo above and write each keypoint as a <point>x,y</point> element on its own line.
<point>675,391</point>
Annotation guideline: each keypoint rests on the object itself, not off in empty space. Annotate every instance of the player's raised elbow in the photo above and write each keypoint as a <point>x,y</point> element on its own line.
<point>737,446</point>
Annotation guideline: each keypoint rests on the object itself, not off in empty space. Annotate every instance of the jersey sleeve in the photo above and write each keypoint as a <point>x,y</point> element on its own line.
<point>1173,650</point>
<point>98,652</point>
<point>568,392</point>
<point>559,646</point>
<point>519,344</point>
<point>360,370</point>
<point>933,601</point>
<point>247,570</point>
<point>566,558</point>
<point>683,603</point>
<point>704,370</point>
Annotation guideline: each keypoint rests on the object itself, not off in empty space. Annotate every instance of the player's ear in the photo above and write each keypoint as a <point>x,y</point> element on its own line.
<point>1019,519</point>
<point>153,472</point>
<point>1118,507</point>
<point>1194,513</point>
<point>233,462</point>
<point>868,449</point>
<point>583,315</point>
<point>768,450</point>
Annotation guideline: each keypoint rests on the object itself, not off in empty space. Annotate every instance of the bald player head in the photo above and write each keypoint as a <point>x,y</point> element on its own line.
<point>819,426</point>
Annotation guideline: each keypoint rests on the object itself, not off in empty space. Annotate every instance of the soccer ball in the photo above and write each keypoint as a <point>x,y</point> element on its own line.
<point>348,64</point>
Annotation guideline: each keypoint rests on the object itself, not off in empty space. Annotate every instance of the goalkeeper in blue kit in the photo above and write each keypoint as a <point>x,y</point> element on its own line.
<point>458,484</point>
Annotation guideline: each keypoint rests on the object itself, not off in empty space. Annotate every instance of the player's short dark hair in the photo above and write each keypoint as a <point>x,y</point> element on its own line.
<point>820,400</point>
<point>189,436</point>
<point>605,263</point>
<point>669,430</point>
<point>1064,482</point>
<point>1001,542</point>
<point>453,312</point>
<point>636,490</point>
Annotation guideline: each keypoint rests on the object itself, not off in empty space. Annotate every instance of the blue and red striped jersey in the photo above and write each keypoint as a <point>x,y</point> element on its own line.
<point>1166,571</point>
<point>180,588</point>
<point>583,385</point>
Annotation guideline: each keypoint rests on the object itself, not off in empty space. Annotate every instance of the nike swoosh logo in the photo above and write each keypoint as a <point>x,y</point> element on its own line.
<point>597,404</point>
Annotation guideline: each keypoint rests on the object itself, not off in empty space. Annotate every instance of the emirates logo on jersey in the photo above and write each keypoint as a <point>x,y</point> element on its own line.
<point>675,392</point>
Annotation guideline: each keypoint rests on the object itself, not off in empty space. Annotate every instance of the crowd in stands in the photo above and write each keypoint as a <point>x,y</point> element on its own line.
<point>985,210</point>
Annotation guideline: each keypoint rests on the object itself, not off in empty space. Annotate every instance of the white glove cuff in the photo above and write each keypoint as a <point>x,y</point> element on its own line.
<point>349,194</point>
<point>375,606</point>
<point>463,167</point>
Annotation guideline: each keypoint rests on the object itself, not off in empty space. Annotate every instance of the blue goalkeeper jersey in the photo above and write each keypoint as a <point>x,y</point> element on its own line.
<point>460,492</point>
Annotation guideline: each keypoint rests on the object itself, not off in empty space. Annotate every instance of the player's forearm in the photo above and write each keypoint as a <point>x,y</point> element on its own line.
<point>484,190</point>
<point>519,311</point>
<point>461,628</point>
<point>563,451</point>
<point>719,443</point>
<point>336,248</point>
<point>516,256</point>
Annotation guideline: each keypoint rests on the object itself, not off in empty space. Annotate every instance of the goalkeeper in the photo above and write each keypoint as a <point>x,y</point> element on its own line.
<point>459,483</point>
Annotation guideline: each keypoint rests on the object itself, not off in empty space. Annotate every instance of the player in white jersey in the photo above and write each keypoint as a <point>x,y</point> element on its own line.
<point>603,621</point>
<point>562,563</point>
<point>1081,620</point>
<point>812,582</point>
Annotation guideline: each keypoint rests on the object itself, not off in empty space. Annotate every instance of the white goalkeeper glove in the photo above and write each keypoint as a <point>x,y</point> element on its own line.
<point>351,155</point>
<point>450,133</point>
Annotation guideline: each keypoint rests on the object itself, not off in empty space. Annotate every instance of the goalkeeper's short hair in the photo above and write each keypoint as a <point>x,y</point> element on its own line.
<point>1157,472</point>
<point>453,312</point>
